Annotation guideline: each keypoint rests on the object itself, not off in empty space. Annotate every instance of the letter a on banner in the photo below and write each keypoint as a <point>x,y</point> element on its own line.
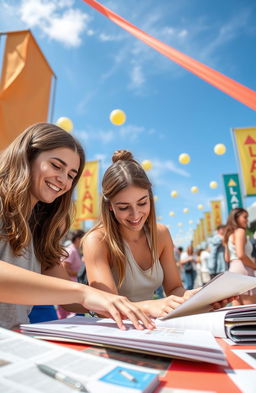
<point>245,142</point>
<point>232,191</point>
<point>87,192</point>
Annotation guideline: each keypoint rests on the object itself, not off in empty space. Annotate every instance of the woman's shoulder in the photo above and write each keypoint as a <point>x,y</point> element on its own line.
<point>163,235</point>
<point>95,235</point>
<point>162,229</point>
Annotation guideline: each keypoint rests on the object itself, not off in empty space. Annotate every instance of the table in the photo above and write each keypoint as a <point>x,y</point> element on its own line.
<point>196,376</point>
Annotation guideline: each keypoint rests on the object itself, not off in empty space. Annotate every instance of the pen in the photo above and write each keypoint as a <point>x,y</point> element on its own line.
<point>127,375</point>
<point>51,372</point>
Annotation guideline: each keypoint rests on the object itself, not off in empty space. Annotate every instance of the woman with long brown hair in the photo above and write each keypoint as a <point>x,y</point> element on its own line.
<point>238,250</point>
<point>127,252</point>
<point>38,172</point>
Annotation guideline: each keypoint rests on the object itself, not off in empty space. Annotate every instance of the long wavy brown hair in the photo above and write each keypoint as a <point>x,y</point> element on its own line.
<point>124,171</point>
<point>232,223</point>
<point>48,222</point>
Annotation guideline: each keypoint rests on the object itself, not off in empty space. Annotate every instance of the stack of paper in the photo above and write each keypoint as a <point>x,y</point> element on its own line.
<point>187,344</point>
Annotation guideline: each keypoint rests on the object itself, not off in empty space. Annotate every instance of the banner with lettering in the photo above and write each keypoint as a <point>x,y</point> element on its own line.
<point>232,191</point>
<point>87,203</point>
<point>207,224</point>
<point>216,214</point>
<point>245,142</point>
<point>201,226</point>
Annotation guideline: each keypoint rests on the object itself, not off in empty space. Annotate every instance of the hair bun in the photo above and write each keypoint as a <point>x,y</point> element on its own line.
<point>122,155</point>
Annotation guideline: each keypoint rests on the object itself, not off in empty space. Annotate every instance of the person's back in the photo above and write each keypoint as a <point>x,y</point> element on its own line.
<point>217,263</point>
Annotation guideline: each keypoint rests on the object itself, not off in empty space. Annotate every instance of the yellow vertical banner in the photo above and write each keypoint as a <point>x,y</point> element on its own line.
<point>199,234</point>
<point>216,214</point>
<point>202,229</point>
<point>207,224</point>
<point>87,203</point>
<point>25,86</point>
<point>245,142</point>
<point>76,224</point>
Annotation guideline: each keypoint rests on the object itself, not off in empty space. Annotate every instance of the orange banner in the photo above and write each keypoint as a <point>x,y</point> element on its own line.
<point>245,141</point>
<point>215,78</point>
<point>87,203</point>
<point>216,214</point>
<point>25,86</point>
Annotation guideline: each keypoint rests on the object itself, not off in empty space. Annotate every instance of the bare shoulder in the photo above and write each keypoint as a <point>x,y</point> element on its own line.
<point>163,234</point>
<point>239,233</point>
<point>95,237</point>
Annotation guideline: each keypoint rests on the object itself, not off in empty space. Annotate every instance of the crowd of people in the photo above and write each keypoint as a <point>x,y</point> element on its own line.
<point>126,266</point>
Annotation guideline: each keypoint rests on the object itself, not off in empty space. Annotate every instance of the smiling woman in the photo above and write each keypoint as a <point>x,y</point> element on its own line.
<point>38,172</point>
<point>127,252</point>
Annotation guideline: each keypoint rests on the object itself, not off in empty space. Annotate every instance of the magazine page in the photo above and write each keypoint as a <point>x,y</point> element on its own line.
<point>221,287</point>
<point>170,341</point>
<point>211,321</point>
<point>20,356</point>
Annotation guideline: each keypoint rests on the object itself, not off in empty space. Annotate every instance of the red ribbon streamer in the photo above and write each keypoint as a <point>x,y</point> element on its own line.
<point>227,85</point>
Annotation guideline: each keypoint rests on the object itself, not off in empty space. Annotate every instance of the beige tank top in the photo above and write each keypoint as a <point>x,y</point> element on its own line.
<point>139,284</point>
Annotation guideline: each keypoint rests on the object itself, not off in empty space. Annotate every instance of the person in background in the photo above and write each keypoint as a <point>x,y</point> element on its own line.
<point>72,264</point>
<point>38,172</point>
<point>217,263</point>
<point>204,261</point>
<point>238,251</point>
<point>128,252</point>
<point>188,263</point>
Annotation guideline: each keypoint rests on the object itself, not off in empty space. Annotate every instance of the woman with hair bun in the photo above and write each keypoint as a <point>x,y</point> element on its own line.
<point>127,252</point>
<point>238,251</point>
<point>38,173</point>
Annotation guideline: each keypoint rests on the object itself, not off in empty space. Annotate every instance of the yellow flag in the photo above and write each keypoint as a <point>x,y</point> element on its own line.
<point>245,141</point>
<point>216,214</point>
<point>202,230</point>
<point>207,224</point>
<point>25,86</point>
<point>87,204</point>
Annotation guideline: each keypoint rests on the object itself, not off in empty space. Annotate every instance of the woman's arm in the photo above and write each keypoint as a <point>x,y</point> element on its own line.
<point>240,241</point>
<point>172,282</point>
<point>68,269</point>
<point>21,286</point>
<point>98,265</point>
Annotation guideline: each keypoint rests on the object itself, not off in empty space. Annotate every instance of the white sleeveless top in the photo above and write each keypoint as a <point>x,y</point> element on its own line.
<point>232,249</point>
<point>139,284</point>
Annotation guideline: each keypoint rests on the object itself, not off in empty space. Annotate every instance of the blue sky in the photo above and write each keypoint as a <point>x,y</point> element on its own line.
<point>170,111</point>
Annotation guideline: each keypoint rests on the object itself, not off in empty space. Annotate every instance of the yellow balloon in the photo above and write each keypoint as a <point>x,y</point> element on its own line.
<point>117,117</point>
<point>65,123</point>
<point>185,210</point>
<point>194,189</point>
<point>219,149</point>
<point>155,198</point>
<point>200,207</point>
<point>190,222</point>
<point>184,158</point>
<point>213,184</point>
<point>174,194</point>
<point>171,214</point>
<point>146,165</point>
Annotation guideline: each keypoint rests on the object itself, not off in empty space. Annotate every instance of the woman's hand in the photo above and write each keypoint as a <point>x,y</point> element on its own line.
<point>116,307</point>
<point>216,305</point>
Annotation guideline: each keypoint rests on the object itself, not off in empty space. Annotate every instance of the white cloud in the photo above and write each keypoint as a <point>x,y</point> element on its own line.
<point>131,131</point>
<point>169,166</point>
<point>94,135</point>
<point>56,19</point>
<point>137,77</point>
